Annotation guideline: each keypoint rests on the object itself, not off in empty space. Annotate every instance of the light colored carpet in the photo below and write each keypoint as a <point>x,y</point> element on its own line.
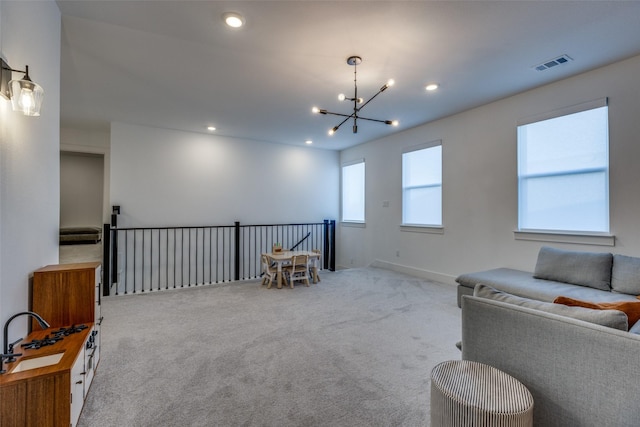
<point>356,349</point>
<point>80,253</point>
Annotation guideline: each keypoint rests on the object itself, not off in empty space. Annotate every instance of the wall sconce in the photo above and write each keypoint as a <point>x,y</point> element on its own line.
<point>25,95</point>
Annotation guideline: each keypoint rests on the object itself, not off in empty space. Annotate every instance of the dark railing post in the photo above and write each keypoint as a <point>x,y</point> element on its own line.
<point>237,251</point>
<point>106,261</point>
<point>114,242</point>
<point>326,246</point>
<point>332,267</point>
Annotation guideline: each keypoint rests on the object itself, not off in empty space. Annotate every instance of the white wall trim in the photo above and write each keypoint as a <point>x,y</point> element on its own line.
<point>430,144</point>
<point>356,224</point>
<point>565,111</point>
<point>417,272</point>
<point>559,237</point>
<point>87,149</point>
<point>429,229</point>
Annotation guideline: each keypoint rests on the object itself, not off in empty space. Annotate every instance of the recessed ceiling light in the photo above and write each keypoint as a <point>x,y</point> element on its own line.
<point>308,142</point>
<point>431,86</point>
<point>233,19</point>
<point>211,128</point>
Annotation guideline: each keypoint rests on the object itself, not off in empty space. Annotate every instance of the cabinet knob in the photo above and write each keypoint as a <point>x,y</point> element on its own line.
<point>79,382</point>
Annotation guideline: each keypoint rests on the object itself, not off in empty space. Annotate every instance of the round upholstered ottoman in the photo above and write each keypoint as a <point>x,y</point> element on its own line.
<point>466,393</point>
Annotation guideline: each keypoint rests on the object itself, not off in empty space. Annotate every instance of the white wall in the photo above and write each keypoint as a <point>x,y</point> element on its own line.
<point>81,189</point>
<point>480,203</point>
<point>74,140</point>
<point>163,177</point>
<point>29,156</point>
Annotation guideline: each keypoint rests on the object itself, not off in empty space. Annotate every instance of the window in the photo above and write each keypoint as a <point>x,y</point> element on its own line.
<point>563,171</point>
<point>353,192</point>
<point>422,185</point>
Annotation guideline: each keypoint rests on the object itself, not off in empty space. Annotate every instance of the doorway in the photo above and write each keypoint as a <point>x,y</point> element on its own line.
<point>81,202</point>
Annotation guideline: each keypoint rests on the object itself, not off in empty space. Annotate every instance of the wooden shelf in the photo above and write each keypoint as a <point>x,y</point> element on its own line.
<point>66,294</point>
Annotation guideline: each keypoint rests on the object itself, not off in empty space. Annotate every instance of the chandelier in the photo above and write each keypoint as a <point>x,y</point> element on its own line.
<point>358,103</point>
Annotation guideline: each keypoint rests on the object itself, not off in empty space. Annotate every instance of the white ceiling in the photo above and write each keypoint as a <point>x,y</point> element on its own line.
<point>174,64</point>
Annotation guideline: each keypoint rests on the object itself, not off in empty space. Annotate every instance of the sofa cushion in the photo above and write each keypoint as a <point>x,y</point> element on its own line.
<point>579,268</point>
<point>630,308</point>
<point>611,318</point>
<point>625,275</point>
<point>523,284</point>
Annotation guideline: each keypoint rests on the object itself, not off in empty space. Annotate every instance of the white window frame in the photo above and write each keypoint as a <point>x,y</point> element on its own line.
<point>565,236</point>
<point>359,221</point>
<point>436,228</point>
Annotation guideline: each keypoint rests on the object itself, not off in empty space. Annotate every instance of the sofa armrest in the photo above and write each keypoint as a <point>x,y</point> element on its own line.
<point>579,374</point>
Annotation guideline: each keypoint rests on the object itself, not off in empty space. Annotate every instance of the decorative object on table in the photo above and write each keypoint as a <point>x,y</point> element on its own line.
<point>466,393</point>
<point>358,103</point>
<point>277,247</point>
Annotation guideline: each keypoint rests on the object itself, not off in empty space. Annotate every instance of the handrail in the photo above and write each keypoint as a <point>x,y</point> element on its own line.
<point>146,259</point>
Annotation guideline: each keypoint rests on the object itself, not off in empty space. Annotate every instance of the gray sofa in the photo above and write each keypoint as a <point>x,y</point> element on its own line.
<point>596,277</point>
<point>580,374</point>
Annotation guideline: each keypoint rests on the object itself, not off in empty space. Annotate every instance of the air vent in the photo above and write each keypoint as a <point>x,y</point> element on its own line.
<point>563,59</point>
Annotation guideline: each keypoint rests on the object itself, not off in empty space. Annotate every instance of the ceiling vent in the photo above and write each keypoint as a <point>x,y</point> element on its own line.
<point>560,60</point>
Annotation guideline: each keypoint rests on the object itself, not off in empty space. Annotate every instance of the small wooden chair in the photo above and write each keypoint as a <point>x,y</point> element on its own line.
<point>314,269</point>
<point>269,272</point>
<point>299,269</point>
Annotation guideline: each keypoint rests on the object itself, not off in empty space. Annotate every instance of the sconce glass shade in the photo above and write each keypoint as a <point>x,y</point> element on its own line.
<point>26,96</point>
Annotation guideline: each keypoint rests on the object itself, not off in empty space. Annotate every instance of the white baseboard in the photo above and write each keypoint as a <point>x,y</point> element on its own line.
<point>418,272</point>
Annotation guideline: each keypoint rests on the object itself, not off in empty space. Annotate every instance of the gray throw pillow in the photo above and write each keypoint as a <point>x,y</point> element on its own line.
<point>578,268</point>
<point>611,318</point>
<point>625,275</point>
<point>635,329</point>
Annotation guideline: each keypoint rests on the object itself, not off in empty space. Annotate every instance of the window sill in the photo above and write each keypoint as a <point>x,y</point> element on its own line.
<point>353,224</point>
<point>429,229</point>
<point>599,239</point>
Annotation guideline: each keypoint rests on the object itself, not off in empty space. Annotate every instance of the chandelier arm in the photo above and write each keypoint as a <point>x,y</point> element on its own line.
<point>374,120</point>
<point>339,114</point>
<point>342,122</point>
<point>370,99</point>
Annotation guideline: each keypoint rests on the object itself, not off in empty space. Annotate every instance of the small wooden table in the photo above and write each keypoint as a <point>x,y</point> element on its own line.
<point>281,257</point>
